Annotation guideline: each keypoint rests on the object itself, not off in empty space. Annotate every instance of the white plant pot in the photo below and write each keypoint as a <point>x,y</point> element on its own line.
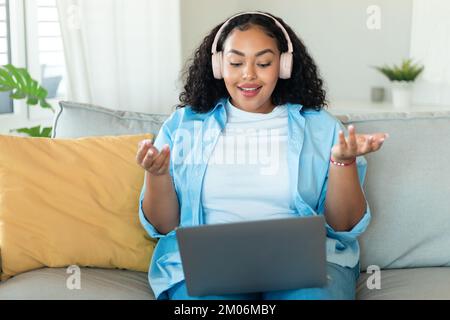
<point>401,94</point>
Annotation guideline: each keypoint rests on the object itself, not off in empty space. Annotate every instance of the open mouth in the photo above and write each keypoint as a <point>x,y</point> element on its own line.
<point>249,89</point>
<point>250,92</point>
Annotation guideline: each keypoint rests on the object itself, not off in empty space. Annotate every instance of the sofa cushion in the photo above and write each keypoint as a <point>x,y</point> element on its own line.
<point>71,201</point>
<point>75,120</point>
<point>407,284</point>
<point>407,188</point>
<point>98,284</point>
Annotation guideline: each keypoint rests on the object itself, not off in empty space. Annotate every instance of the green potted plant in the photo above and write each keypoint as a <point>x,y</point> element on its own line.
<point>19,82</point>
<point>402,77</point>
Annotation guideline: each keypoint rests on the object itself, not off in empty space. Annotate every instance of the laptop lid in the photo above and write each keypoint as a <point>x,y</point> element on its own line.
<point>253,256</point>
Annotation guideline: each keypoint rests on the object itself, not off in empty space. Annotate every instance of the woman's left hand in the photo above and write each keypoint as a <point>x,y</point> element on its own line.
<point>356,145</point>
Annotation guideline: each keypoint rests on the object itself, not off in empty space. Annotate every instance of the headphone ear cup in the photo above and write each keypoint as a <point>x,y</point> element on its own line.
<point>217,64</point>
<point>285,65</point>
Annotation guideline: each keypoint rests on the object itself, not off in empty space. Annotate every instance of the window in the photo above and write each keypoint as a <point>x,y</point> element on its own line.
<point>45,53</point>
<point>51,52</point>
<point>5,56</point>
<point>30,37</point>
<point>6,105</point>
<point>430,45</point>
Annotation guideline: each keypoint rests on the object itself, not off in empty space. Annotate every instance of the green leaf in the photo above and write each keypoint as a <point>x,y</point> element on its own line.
<point>23,86</point>
<point>34,87</point>
<point>44,104</point>
<point>17,77</point>
<point>18,95</point>
<point>32,101</point>
<point>25,75</point>
<point>6,79</point>
<point>32,132</point>
<point>406,71</point>
<point>5,88</point>
<point>42,93</point>
<point>46,132</point>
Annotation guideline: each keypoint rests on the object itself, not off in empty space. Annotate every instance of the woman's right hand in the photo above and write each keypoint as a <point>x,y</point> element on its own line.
<point>154,162</point>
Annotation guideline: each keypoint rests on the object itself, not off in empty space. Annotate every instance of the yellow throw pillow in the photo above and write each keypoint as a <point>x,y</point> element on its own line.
<point>71,202</point>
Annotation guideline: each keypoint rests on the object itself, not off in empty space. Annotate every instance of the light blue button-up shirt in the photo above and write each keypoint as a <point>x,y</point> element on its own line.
<point>192,136</point>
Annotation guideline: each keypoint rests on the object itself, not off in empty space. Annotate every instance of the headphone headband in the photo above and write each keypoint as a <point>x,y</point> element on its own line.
<point>216,38</point>
<point>286,60</point>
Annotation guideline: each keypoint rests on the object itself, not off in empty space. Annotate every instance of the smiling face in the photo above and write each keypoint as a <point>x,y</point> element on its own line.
<point>251,66</point>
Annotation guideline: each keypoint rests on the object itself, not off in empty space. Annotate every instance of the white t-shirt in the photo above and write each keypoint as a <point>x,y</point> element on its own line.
<point>247,175</point>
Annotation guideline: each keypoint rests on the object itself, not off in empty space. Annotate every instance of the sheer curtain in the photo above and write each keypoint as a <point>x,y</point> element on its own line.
<point>122,54</point>
<point>430,44</point>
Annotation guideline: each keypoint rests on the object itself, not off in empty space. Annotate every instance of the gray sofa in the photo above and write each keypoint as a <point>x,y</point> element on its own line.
<point>406,186</point>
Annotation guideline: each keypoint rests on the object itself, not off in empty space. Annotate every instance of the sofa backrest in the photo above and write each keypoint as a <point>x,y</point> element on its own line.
<point>407,183</point>
<point>74,120</point>
<point>408,190</point>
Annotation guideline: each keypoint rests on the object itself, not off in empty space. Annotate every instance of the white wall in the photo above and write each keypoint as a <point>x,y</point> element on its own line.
<point>334,31</point>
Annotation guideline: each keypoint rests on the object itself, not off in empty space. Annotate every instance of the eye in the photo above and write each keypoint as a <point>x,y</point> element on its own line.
<point>264,65</point>
<point>235,64</point>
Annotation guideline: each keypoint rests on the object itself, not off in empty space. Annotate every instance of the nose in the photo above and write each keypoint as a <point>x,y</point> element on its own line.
<point>249,72</point>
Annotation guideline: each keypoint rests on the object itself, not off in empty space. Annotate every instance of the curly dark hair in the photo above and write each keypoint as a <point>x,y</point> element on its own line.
<point>202,90</point>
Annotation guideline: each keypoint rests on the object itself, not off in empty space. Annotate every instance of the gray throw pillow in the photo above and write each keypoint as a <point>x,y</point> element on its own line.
<point>74,120</point>
<point>407,187</point>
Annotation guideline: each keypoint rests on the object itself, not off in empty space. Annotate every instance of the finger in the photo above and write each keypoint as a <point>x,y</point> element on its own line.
<point>145,143</point>
<point>165,165</point>
<point>380,136</point>
<point>150,156</point>
<point>143,147</point>
<point>352,138</point>
<point>159,159</point>
<point>342,141</point>
<point>378,144</point>
<point>368,144</point>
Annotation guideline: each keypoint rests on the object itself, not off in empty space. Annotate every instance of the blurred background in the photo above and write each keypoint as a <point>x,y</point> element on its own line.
<point>128,55</point>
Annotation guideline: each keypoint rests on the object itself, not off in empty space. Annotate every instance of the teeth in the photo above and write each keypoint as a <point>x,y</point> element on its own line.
<point>249,89</point>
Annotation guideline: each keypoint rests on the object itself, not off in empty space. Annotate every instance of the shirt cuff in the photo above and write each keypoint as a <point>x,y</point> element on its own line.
<point>351,235</point>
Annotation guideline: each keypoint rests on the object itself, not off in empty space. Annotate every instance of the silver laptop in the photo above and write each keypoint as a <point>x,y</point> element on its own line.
<point>253,256</point>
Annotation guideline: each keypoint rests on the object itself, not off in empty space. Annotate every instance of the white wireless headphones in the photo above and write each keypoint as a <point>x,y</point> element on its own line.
<point>285,58</point>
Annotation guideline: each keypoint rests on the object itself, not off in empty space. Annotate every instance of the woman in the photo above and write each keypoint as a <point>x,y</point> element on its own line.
<point>212,161</point>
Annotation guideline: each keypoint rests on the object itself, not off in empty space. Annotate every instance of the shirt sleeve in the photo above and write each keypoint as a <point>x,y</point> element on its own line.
<point>346,238</point>
<point>163,137</point>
